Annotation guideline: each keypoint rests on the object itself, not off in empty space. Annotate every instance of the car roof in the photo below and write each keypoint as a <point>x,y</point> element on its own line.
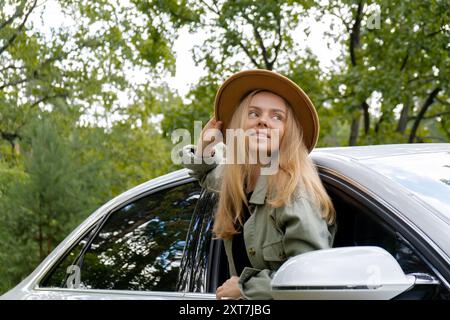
<point>385,150</point>
<point>357,164</point>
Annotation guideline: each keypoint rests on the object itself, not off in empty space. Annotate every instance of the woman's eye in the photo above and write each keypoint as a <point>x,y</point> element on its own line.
<point>278,117</point>
<point>252,114</point>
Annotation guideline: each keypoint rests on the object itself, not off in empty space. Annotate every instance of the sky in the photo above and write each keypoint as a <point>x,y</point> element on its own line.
<point>49,16</point>
<point>187,73</point>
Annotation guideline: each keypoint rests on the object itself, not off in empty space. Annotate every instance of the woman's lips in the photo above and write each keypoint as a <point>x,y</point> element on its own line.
<point>261,134</point>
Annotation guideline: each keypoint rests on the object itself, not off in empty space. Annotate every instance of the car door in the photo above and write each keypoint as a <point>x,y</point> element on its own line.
<point>362,220</point>
<point>135,252</point>
<point>360,223</point>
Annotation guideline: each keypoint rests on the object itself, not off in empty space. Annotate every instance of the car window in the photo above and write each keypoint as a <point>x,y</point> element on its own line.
<point>139,247</point>
<point>358,226</point>
<point>369,231</point>
<point>60,275</point>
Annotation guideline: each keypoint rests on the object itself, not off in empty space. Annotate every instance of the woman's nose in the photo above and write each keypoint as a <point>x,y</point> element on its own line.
<point>262,122</point>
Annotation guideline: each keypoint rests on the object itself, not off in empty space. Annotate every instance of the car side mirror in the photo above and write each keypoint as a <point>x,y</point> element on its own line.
<point>358,273</point>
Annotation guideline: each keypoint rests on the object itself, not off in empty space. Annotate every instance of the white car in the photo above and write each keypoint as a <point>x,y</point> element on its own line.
<point>154,241</point>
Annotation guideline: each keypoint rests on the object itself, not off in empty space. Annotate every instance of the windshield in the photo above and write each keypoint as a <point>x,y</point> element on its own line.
<point>426,175</point>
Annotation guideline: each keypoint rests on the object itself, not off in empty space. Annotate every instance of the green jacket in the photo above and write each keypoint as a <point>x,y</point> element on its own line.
<point>271,235</point>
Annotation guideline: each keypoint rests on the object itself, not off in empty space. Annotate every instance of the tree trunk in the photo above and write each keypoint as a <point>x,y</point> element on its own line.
<point>355,33</point>
<point>41,244</point>
<point>403,121</point>
<point>378,124</point>
<point>354,129</point>
<point>421,114</point>
<point>365,109</point>
<point>354,44</point>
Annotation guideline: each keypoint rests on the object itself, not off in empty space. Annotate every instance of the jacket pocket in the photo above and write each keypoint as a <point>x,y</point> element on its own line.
<point>274,251</point>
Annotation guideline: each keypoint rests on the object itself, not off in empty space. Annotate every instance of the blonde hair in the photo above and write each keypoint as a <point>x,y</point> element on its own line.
<point>296,172</point>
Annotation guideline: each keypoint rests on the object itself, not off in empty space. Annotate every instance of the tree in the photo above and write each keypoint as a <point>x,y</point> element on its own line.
<point>45,201</point>
<point>87,64</point>
<point>247,33</point>
<point>402,60</point>
<point>243,35</point>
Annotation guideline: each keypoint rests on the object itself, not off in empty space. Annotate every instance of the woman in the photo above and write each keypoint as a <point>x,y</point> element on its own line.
<point>264,216</point>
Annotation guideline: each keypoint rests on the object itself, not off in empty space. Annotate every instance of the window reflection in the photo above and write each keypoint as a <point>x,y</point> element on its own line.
<point>426,175</point>
<point>141,245</point>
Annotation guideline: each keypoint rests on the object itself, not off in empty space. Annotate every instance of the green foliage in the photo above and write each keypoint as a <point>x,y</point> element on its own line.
<point>248,33</point>
<point>40,206</point>
<point>181,115</point>
<point>135,155</point>
<point>403,58</point>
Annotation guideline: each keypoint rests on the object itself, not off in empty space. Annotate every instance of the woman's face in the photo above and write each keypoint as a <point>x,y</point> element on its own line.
<point>266,111</point>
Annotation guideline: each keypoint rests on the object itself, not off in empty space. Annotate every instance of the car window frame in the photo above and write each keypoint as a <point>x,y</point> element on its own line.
<point>392,219</point>
<point>207,201</point>
<point>98,224</point>
<point>188,277</point>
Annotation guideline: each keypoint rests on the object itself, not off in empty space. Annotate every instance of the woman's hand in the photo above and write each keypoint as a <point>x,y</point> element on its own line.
<point>229,289</point>
<point>206,137</point>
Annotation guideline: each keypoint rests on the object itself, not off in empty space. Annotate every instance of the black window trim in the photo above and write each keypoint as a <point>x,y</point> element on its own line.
<point>205,196</point>
<point>213,265</point>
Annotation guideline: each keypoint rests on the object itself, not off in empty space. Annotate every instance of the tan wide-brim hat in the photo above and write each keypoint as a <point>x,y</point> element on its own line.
<point>236,87</point>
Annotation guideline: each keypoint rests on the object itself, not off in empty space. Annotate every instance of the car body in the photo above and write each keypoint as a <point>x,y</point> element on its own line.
<point>154,241</point>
